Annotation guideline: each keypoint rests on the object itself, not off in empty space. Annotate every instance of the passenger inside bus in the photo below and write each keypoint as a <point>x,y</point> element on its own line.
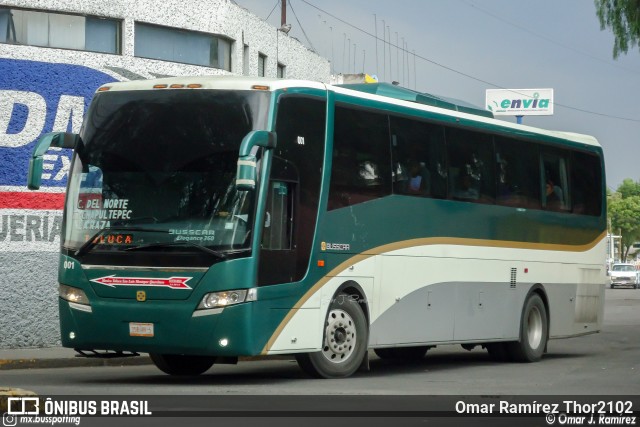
<point>465,189</point>
<point>554,198</point>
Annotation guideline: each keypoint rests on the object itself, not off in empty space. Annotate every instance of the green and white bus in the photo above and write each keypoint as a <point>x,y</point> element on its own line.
<point>209,218</point>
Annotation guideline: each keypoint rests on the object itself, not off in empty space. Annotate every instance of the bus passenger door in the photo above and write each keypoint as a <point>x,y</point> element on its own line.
<point>294,190</point>
<point>277,253</point>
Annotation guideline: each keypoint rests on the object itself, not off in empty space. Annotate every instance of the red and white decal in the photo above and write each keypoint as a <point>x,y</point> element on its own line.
<point>171,282</point>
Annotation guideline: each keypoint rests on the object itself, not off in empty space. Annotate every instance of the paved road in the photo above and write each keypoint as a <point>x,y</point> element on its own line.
<point>607,363</point>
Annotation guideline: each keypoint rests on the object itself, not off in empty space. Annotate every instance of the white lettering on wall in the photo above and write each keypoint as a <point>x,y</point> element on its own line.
<point>34,125</point>
<point>23,230</point>
<point>70,108</point>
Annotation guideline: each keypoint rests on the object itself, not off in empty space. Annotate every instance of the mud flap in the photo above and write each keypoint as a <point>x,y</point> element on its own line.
<point>364,366</point>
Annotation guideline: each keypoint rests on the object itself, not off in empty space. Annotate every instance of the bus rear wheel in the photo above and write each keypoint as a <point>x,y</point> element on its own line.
<point>534,329</point>
<point>178,364</point>
<point>345,341</point>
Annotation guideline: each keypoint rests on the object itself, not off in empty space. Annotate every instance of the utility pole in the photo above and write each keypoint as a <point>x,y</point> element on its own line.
<point>283,14</point>
<point>375,19</point>
<point>348,56</point>
<point>398,58</point>
<point>384,52</point>
<point>404,82</point>
<point>390,64</point>
<point>354,58</point>
<point>415,72</point>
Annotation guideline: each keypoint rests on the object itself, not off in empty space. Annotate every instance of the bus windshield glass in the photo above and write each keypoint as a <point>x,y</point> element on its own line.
<point>155,173</point>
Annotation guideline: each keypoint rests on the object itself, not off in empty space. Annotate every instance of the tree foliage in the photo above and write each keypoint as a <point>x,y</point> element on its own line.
<point>624,213</point>
<point>623,18</point>
<point>629,188</point>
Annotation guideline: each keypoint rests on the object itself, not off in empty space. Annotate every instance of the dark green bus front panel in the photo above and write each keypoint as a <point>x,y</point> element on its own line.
<point>246,326</point>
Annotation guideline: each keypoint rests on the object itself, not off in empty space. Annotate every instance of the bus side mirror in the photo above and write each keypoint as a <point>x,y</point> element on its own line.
<point>246,176</point>
<point>56,139</point>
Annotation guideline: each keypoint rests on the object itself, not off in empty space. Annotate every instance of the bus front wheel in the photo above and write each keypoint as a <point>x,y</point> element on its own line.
<point>178,364</point>
<point>345,341</point>
<point>533,331</point>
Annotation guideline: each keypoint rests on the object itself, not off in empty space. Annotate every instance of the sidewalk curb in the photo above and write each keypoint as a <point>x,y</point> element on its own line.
<point>71,362</point>
<point>85,362</point>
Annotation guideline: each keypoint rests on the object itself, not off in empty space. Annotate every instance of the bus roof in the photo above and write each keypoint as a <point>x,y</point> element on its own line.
<point>397,92</point>
<point>381,92</point>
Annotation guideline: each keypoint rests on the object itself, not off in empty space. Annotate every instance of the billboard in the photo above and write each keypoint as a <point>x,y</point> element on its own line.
<point>520,102</point>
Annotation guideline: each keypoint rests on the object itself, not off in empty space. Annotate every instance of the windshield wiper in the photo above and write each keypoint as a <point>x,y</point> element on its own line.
<point>89,244</point>
<point>170,244</point>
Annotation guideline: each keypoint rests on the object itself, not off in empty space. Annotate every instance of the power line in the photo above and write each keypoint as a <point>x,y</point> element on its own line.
<point>303,32</point>
<point>461,73</point>
<point>274,8</point>
<point>548,39</point>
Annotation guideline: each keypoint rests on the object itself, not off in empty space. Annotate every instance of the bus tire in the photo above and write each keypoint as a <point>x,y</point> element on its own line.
<point>178,364</point>
<point>534,329</point>
<point>402,353</point>
<point>344,344</point>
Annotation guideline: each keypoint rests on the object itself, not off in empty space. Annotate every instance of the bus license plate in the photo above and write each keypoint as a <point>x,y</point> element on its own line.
<point>140,329</point>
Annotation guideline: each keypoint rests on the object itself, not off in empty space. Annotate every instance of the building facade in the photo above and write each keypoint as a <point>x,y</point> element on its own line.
<point>53,56</point>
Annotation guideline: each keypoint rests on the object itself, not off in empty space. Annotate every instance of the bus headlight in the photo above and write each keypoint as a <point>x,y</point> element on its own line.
<point>226,298</point>
<point>74,295</point>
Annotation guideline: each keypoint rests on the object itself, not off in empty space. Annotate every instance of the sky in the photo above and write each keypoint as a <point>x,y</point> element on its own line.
<point>460,48</point>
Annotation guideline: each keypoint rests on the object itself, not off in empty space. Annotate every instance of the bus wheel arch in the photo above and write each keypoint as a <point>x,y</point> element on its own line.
<point>345,336</point>
<point>355,291</point>
<point>534,327</point>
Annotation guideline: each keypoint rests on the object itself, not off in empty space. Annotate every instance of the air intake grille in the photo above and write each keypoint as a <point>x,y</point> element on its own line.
<point>514,274</point>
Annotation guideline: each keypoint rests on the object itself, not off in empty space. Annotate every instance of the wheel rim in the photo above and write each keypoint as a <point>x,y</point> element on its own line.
<point>534,328</point>
<point>340,336</point>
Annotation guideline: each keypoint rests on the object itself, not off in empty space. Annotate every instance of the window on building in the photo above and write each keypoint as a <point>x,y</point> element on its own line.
<point>281,69</point>
<point>245,60</point>
<point>187,47</point>
<point>57,30</point>
<point>262,64</point>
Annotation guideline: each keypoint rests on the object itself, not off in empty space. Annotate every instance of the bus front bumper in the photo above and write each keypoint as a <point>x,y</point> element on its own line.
<point>160,327</point>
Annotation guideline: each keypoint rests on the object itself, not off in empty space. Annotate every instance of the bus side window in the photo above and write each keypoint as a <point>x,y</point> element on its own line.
<point>586,182</point>
<point>471,166</point>
<point>517,173</point>
<point>361,165</point>
<point>417,150</point>
<point>555,182</point>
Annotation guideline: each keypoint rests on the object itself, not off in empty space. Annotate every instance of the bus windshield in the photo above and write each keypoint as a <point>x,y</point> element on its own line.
<point>155,172</point>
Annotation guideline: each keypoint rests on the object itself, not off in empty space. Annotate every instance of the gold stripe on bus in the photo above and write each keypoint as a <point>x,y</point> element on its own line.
<point>428,241</point>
